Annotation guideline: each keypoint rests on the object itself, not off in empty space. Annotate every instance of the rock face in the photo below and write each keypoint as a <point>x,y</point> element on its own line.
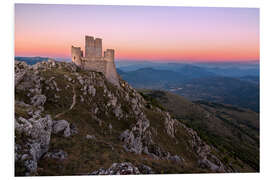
<point>203,150</point>
<point>134,138</point>
<point>169,124</point>
<point>37,133</point>
<point>62,108</point>
<point>20,70</point>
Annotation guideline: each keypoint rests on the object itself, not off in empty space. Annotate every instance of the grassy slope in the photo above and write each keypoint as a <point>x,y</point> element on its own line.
<point>233,131</point>
<point>84,155</point>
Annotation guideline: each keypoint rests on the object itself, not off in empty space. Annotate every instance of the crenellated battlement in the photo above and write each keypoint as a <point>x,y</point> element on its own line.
<point>93,59</point>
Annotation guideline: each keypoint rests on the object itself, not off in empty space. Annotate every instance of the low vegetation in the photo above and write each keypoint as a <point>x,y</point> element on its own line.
<point>232,130</point>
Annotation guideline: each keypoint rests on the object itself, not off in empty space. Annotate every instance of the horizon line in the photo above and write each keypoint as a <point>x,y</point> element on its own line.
<point>158,60</point>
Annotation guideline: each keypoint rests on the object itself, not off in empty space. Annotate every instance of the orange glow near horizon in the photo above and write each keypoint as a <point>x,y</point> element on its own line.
<point>140,33</point>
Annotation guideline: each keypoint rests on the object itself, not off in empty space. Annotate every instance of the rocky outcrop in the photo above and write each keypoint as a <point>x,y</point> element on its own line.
<point>176,159</point>
<point>170,124</point>
<point>20,71</point>
<point>134,138</point>
<point>38,100</point>
<point>32,138</point>
<point>92,137</point>
<point>125,168</point>
<point>57,154</point>
<point>206,158</point>
<point>145,169</point>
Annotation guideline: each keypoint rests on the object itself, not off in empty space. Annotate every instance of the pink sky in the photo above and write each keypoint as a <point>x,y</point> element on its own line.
<point>140,32</point>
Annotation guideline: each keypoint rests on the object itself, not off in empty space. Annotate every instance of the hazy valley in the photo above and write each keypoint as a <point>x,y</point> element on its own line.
<point>238,86</point>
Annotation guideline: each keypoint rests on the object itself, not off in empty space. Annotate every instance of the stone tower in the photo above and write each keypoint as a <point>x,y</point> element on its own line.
<point>98,47</point>
<point>110,72</point>
<point>94,60</point>
<point>89,47</point>
<point>76,54</point>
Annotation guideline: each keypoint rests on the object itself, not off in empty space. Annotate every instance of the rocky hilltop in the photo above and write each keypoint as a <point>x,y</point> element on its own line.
<point>70,121</point>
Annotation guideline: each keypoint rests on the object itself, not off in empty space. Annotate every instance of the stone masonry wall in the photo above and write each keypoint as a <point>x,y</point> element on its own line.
<point>99,66</point>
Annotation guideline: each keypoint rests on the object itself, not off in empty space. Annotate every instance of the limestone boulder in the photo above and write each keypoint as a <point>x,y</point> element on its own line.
<point>145,169</point>
<point>57,154</point>
<point>118,169</point>
<point>176,159</point>
<point>61,127</point>
<point>38,100</point>
<point>92,137</point>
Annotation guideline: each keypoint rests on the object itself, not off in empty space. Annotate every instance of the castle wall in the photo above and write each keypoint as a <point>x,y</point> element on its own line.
<point>99,66</point>
<point>76,55</point>
<point>105,67</point>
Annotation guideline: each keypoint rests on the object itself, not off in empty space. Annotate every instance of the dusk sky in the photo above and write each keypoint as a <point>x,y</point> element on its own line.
<point>140,32</point>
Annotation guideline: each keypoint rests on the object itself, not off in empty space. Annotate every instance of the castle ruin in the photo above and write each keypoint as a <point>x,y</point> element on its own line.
<point>93,59</point>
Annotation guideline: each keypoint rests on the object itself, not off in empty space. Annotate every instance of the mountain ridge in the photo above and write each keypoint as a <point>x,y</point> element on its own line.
<point>238,91</point>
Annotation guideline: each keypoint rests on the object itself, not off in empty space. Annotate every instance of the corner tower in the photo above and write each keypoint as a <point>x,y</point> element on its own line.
<point>110,71</point>
<point>76,55</point>
<point>109,55</point>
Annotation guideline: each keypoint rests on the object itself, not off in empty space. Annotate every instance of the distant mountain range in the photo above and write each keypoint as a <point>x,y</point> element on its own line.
<point>31,60</point>
<point>222,69</point>
<point>233,85</point>
<point>36,59</point>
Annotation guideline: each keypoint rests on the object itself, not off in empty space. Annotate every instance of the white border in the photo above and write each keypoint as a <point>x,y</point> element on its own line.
<point>208,3</point>
<point>7,90</point>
